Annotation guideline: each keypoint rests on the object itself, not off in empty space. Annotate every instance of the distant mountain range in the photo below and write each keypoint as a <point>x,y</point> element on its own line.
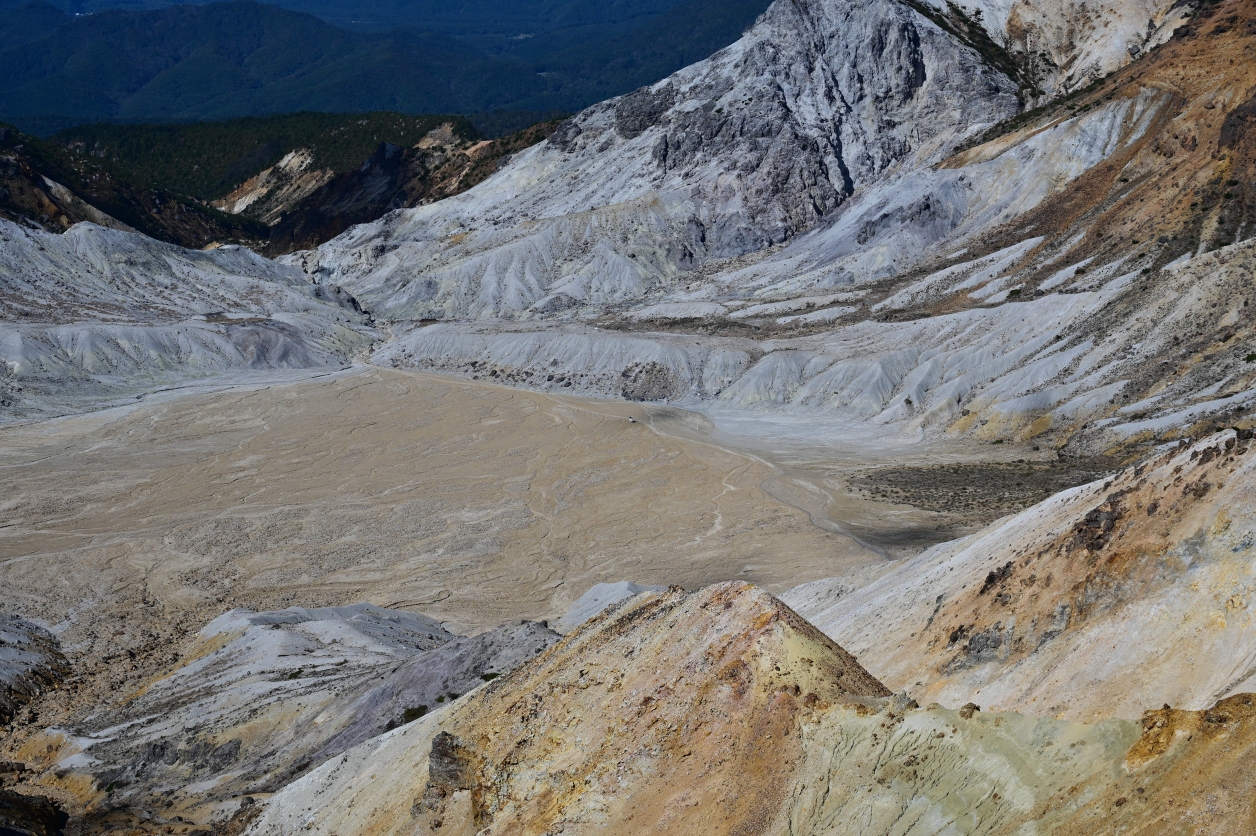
<point>473,18</point>
<point>72,62</point>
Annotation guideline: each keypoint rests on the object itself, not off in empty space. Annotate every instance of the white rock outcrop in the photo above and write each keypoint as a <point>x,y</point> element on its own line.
<point>261,697</point>
<point>735,153</point>
<point>96,315</point>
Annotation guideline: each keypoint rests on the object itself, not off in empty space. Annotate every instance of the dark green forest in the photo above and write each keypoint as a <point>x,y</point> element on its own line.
<point>206,160</point>
<point>150,207</point>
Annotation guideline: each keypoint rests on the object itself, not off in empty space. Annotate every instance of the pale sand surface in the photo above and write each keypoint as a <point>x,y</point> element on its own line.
<point>469,502</point>
<point>814,459</point>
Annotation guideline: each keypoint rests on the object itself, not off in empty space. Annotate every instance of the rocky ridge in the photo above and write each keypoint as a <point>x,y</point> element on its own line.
<point>732,154</point>
<point>742,656</point>
<point>621,728</point>
<point>1129,592</point>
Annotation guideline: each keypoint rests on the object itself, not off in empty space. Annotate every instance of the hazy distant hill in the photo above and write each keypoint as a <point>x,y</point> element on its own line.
<point>472,18</point>
<point>242,58</point>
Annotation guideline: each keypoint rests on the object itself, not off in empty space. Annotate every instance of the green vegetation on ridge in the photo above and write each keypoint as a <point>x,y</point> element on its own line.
<point>157,211</point>
<point>207,160</point>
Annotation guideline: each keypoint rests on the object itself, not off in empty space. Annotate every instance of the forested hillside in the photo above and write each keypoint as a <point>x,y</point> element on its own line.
<point>209,159</point>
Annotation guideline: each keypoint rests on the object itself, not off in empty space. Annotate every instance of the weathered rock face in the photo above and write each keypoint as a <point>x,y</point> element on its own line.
<point>440,165</point>
<point>819,100</point>
<point>30,662</point>
<point>721,712</point>
<point>270,193</point>
<point>1106,599</point>
<point>1001,773</point>
<point>1065,44</point>
<point>735,153</point>
<point>372,189</point>
<point>259,699</point>
<point>96,315</point>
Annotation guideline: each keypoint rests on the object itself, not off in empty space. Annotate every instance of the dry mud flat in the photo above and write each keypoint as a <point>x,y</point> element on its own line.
<point>470,503</point>
<point>898,490</point>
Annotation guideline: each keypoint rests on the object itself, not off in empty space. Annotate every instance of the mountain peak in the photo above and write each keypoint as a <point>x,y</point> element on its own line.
<point>659,687</point>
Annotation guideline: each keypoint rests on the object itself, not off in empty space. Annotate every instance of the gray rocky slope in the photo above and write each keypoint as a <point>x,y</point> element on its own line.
<point>788,225</point>
<point>96,315</point>
<point>820,100</point>
<point>734,154</point>
<point>261,697</point>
